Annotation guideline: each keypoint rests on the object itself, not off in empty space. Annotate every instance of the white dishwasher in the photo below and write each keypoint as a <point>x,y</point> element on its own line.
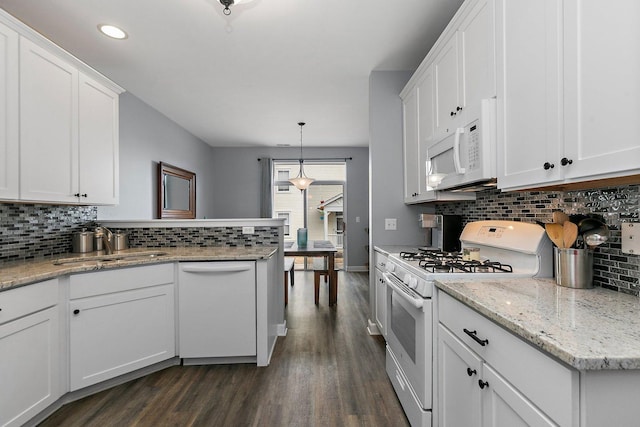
<point>217,309</point>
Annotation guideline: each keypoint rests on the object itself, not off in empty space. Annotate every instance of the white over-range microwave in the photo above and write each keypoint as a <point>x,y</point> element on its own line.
<point>465,160</point>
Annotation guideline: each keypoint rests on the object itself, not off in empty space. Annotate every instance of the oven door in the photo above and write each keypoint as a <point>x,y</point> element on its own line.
<point>410,337</point>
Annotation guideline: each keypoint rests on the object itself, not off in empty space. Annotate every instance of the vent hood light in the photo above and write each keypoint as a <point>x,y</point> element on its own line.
<point>112,31</point>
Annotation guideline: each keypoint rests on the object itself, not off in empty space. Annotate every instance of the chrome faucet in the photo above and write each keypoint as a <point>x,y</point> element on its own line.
<point>107,238</point>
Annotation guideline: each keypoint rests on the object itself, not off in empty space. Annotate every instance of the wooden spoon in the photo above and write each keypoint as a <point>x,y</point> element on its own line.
<point>560,217</point>
<point>570,234</point>
<point>555,233</point>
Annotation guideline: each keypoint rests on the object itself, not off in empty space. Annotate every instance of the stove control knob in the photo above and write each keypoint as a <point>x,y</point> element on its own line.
<point>391,268</point>
<point>406,279</point>
<point>413,282</point>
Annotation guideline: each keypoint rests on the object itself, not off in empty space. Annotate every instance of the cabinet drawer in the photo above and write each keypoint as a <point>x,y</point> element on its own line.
<point>381,260</point>
<point>547,383</point>
<point>123,279</point>
<point>28,299</point>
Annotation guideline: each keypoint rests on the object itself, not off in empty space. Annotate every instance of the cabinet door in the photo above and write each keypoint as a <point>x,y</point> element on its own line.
<point>112,334</point>
<point>529,75</point>
<point>602,88</point>
<point>503,405</point>
<point>426,105</point>
<point>448,97</point>
<point>98,143</point>
<point>458,372</point>
<point>381,303</point>
<point>9,121</point>
<point>48,126</point>
<point>477,49</point>
<point>411,146</point>
<point>29,366</point>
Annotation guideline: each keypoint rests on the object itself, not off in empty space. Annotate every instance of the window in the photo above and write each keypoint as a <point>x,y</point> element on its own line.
<point>283,175</point>
<point>286,216</point>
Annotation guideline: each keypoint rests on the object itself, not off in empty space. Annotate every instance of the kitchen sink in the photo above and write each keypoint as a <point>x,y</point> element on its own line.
<point>102,259</point>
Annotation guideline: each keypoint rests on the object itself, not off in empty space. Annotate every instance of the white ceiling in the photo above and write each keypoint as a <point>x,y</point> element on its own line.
<point>247,79</point>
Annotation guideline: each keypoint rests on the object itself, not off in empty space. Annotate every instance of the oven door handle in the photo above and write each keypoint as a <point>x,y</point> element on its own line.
<point>416,302</point>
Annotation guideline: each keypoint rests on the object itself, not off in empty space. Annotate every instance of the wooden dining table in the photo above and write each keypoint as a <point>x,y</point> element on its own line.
<point>319,248</point>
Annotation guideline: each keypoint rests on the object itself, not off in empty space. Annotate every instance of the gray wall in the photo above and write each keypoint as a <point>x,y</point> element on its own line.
<point>146,138</point>
<point>237,188</point>
<point>386,164</point>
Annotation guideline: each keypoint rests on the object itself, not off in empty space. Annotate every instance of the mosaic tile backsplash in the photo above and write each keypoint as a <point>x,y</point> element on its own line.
<point>612,268</point>
<point>29,231</point>
<point>201,236</point>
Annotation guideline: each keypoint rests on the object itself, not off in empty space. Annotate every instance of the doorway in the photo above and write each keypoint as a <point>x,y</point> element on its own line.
<point>320,208</point>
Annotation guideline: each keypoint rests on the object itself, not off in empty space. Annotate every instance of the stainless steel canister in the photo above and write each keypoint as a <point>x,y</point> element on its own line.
<point>82,241</point>
<point>574,268</point>
<point>120,241</point>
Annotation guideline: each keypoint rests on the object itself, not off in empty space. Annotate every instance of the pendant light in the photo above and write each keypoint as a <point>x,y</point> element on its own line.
<point>301,181</point>
<point>227,3</point>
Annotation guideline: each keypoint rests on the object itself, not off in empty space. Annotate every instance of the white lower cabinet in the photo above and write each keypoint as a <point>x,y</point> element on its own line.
<point>380,292</point>
<point>29,351</point>
<point>217,309</point>
<point>489,377</point>
<point>120,321</point>
<point>381,303</point>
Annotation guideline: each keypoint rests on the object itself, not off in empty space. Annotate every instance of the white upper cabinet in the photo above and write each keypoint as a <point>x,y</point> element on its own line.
<point>48,126</point>
<point>448,97</point>
<point>58,123</point>
<point>98,143</point>
<point>568,93</point>
<point>602,88</point>
<point>9,119</point>
<point>529,92</point>
<point>456,75</point>
<point>410,147</point>
<point>476,38</point>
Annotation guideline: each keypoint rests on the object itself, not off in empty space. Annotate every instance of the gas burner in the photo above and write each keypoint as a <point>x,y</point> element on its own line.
<point>435,266</point>
<point>411,256</point>
<point>439,255</point>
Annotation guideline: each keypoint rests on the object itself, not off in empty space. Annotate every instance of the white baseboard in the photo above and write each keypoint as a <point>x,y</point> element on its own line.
<point>372,328</point>
<point>357,268</point>
<point>282,329</point>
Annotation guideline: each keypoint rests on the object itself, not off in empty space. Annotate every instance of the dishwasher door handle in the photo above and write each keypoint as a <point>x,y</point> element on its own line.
<point>215,268</point>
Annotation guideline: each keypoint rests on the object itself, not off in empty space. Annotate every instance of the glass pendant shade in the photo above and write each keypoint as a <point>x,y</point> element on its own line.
<point>302,181</point>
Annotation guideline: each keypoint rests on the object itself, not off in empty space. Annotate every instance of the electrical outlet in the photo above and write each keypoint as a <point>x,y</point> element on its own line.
<point>357,219</point>
<point>248,230</point>
<point>390,223</point>
<point>631,238</point>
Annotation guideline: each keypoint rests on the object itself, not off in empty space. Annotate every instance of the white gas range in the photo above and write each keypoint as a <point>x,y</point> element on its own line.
<point>495,248</point>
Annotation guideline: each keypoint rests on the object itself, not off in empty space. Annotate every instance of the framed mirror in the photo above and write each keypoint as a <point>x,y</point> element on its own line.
<point>176,192</point>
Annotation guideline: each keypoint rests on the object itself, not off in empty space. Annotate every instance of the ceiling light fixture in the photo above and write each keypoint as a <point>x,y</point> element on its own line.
<point>112,31</point>
<point>227,3</point>
<point>301,181</point>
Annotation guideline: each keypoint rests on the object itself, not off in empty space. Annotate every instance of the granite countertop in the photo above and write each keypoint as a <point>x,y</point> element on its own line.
<point>589,329</point>
<point>23,273</point>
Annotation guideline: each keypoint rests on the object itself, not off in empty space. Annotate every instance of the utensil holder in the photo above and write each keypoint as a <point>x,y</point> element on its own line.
<point>302,237</point>
<point>574,268</point>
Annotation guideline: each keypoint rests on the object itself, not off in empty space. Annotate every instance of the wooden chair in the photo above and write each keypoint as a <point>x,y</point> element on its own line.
<point>288,273</point>
<point>320,269</point>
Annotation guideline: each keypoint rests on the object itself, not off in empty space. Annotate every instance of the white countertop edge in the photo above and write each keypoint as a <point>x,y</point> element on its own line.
<point>192,223</point>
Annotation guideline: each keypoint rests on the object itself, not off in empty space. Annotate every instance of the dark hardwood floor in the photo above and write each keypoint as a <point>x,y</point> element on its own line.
<point>327,371</point>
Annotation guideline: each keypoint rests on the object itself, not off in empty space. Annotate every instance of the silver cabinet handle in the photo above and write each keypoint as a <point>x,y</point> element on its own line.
<point>215,269</point>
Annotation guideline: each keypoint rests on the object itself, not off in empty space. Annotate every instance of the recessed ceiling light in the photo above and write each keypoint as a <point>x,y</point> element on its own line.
<point>112,31</point>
